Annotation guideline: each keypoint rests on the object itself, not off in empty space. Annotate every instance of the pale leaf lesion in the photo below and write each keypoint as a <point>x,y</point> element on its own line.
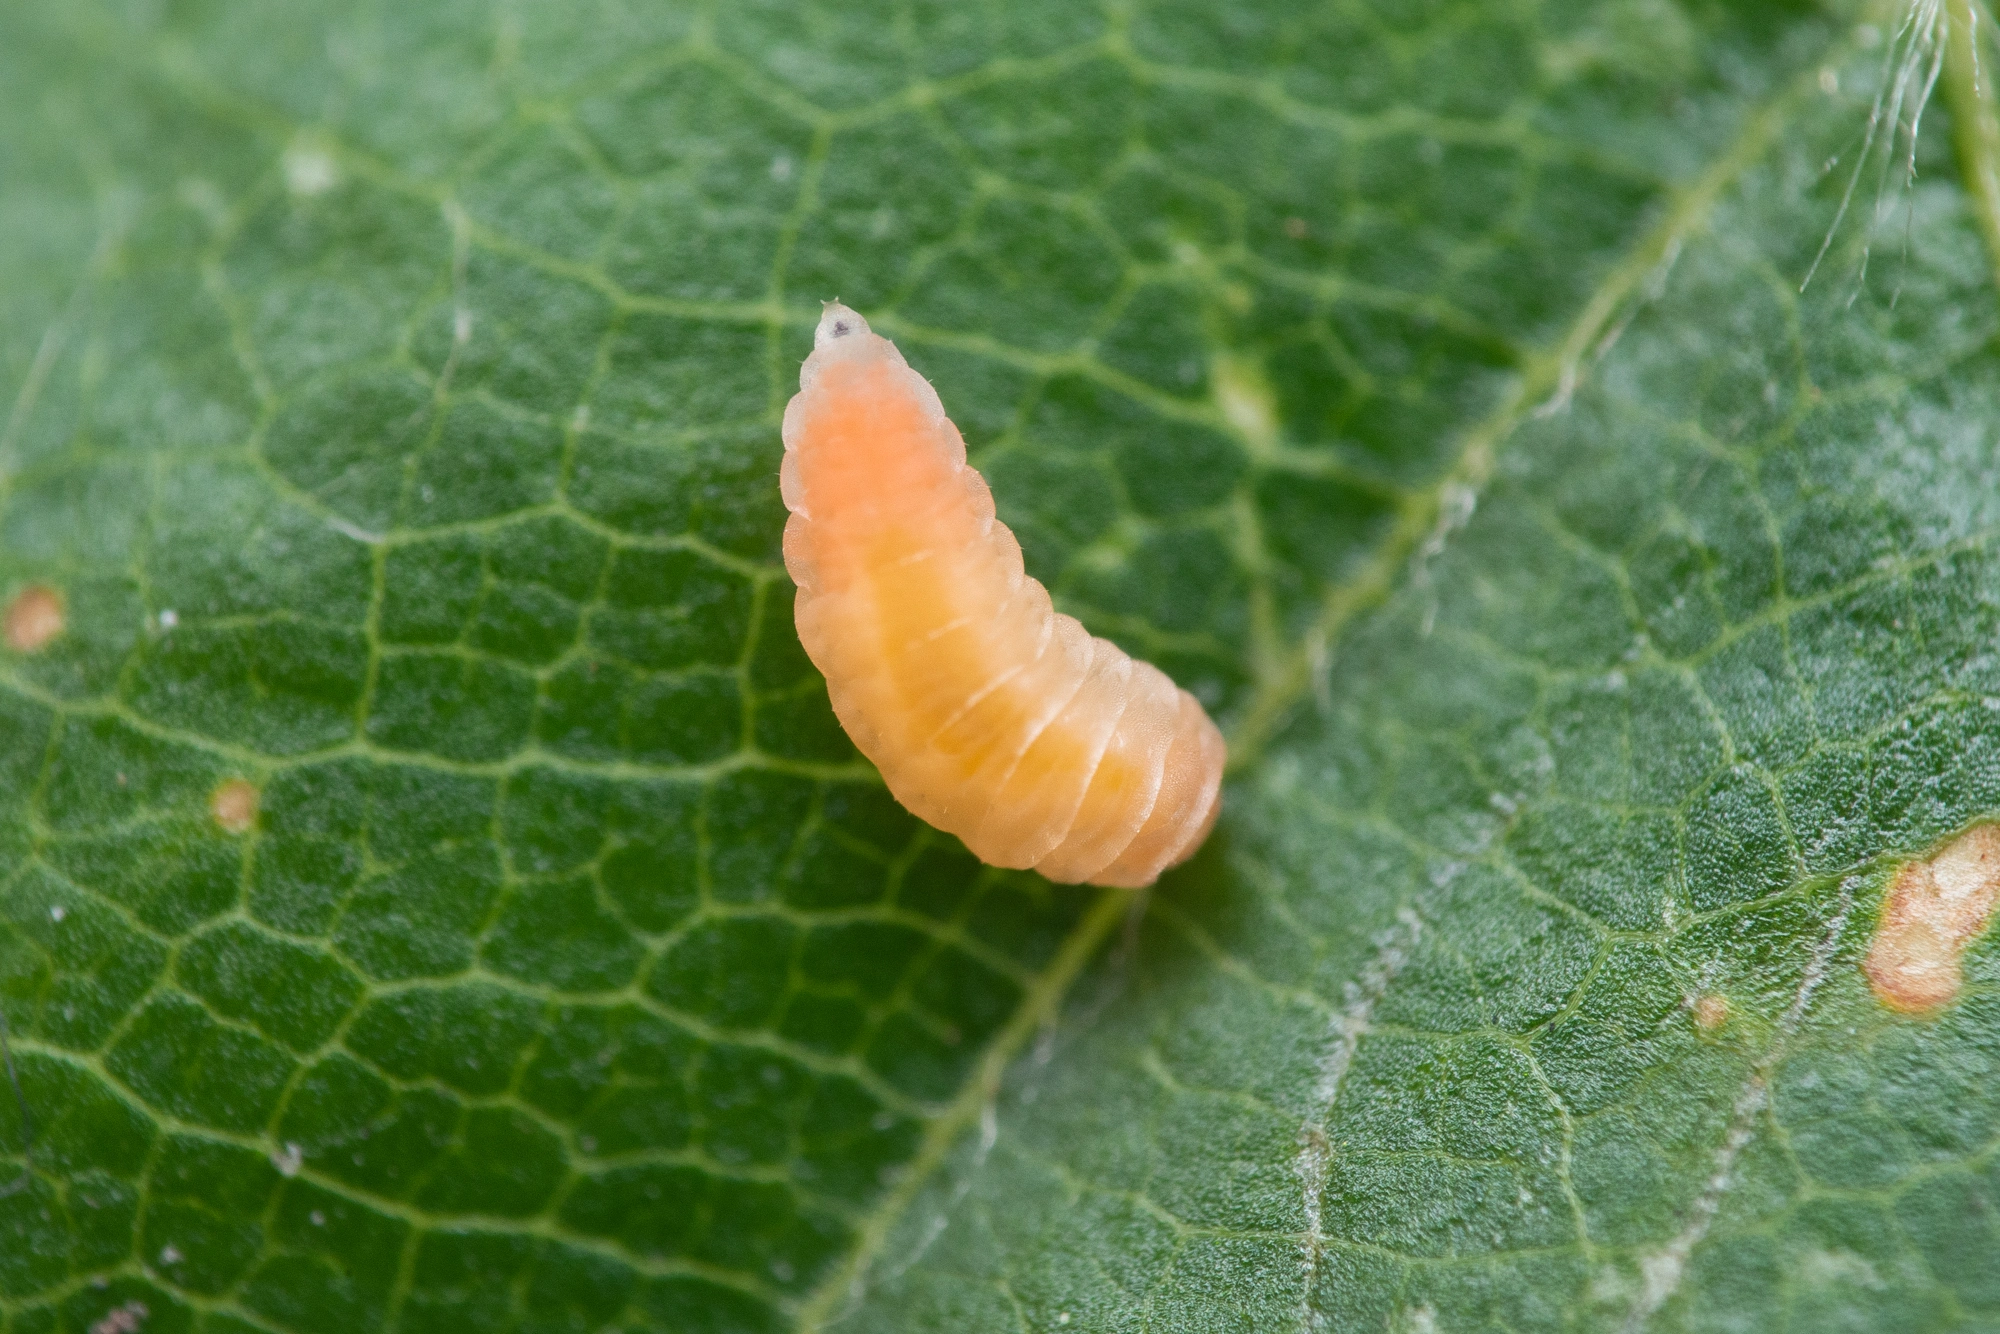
<point>1935,908</point>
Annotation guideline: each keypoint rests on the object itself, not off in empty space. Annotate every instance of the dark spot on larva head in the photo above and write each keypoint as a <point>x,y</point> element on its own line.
<point>34,617</point>
<point>835,322</point>
<point>233,806</point>
<point>1934,909</point>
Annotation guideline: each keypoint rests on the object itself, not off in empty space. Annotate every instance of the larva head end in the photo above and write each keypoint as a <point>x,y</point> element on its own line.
<point>837,322</point>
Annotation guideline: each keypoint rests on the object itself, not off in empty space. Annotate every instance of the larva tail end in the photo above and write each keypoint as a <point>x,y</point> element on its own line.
<point>835,322</point>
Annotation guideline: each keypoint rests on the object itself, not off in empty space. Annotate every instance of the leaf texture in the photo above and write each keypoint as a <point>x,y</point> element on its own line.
<point>435,894</point>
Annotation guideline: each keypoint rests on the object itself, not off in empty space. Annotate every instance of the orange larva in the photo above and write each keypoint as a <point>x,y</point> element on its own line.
<point>989,713</point>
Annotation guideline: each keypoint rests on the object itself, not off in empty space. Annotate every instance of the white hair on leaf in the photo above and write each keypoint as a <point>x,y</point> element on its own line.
<point>1911,66</point>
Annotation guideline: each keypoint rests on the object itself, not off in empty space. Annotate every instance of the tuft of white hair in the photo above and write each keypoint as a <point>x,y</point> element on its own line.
<point>1911,66</point>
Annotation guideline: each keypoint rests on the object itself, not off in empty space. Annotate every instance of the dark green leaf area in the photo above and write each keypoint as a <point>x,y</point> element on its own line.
<point>182,1059</point>
<point>516,593</point>
<point>528,348</point>
<point>700,153</point>
<point>238,969</point>
<point>1527,990</point>
<point>436,893</point>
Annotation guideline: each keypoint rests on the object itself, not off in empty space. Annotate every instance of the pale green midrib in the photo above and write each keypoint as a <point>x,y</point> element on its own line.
<point>1975,114</point>
<point>1037,1009</point>
<point>1418,520</point>
<point>1546,380</point>
<point>1552,371</point>
<point>1081,945</point>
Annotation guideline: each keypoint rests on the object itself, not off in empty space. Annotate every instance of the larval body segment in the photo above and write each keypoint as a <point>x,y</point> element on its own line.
<point>990,714</point>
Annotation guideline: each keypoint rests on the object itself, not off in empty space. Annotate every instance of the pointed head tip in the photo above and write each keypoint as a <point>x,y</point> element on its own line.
<point>837,321</point>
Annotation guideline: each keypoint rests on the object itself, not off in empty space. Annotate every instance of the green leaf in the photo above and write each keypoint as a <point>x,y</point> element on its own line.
<point>435,895</point>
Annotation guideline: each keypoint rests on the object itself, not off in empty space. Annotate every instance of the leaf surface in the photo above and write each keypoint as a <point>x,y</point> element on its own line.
<point>437,895</point>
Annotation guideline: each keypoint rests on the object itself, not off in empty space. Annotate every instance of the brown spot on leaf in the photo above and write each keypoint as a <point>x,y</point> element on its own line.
<point>1295,228</point>
<point>34,617</point>
<point>234,805</point>
<point>1711,1012</point>
<point>1934,909</point>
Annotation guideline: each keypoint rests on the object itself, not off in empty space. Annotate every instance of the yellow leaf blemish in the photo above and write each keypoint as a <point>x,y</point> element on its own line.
<point>233,806</point>
<point>1246,399</point>
<point>34,617</point>
<point>1711,1012</point>
<point>309,170</point>
<point>1934,909</point>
